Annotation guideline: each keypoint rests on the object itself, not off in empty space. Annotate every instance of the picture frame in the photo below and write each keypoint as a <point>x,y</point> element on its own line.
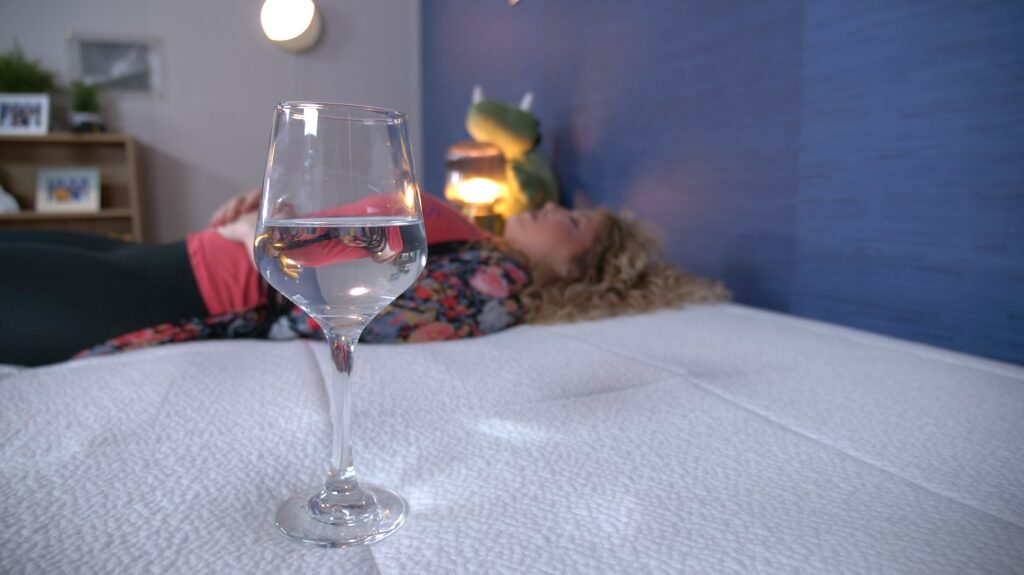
<point>121,64</point>
<point>24,114</point>
<point>68,190</point>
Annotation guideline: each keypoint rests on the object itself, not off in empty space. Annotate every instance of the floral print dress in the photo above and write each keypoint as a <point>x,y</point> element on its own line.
<point>465,290</point>
<point>462,293</point>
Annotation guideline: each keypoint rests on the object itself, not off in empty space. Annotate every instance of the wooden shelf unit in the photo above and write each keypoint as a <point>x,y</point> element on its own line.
<point>116,157</point>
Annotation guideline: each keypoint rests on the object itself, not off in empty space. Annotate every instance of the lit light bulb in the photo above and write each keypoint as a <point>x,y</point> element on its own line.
<point>479,191</point>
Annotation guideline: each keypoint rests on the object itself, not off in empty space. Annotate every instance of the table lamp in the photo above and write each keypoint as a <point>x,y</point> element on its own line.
<point>475,180</point>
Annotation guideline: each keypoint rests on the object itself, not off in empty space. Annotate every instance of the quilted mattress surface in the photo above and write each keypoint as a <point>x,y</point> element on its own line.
<point>714,439</point>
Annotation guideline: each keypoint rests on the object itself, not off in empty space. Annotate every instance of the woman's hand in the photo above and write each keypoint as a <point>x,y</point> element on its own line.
<point>241,230</point>
<point>243,203</point>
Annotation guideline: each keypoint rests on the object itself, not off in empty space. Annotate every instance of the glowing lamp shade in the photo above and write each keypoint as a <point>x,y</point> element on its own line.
<point>294,25</point>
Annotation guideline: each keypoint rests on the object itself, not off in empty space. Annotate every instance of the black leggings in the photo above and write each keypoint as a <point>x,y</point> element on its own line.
<point>63,292</point>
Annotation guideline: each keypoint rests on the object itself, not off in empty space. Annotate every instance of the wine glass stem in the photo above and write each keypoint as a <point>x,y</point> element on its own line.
<point>342,476</point>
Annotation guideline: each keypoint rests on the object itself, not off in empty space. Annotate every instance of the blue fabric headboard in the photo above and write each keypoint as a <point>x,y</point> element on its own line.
<point>856,162</point>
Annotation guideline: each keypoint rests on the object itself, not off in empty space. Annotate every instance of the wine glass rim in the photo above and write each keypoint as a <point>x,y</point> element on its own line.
<point>370,110</point>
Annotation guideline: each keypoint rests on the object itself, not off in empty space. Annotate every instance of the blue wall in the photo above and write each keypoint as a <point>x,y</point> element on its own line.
<point>857,162</point>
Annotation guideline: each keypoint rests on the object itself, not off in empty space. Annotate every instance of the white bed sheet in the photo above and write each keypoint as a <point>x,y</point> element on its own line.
<point>715,439</point>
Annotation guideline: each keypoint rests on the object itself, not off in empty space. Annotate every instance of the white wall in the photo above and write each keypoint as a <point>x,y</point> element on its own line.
<point>205,137</point>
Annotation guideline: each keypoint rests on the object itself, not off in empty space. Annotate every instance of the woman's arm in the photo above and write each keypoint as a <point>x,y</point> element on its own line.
<point>236,219</point>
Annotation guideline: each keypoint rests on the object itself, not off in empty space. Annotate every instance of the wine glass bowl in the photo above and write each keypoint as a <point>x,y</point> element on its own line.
<point>340,234</point>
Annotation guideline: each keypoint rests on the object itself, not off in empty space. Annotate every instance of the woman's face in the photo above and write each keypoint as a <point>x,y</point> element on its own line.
<point>553,236</point>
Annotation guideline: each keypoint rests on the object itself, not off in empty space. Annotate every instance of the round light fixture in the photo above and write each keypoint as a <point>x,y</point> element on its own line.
<point>291,24</point>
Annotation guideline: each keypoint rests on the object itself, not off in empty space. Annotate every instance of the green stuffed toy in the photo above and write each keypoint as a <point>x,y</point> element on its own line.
<point>516,132</point>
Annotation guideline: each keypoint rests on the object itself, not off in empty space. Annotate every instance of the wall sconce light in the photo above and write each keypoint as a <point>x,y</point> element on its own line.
<point>293,25</point>
<point>475,180</point>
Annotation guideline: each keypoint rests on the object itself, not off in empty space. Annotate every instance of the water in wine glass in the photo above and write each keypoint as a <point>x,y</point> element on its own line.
<point>341,270</point>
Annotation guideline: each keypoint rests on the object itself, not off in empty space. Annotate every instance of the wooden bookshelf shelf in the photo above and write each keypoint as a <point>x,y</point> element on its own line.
<point>68,138</point>
<point>116,157</point>
<point>107,214</point>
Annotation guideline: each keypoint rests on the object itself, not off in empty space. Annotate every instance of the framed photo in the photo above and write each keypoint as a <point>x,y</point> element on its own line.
<point>26,114</point>
<point>123,64</point>
<point>64,190</point>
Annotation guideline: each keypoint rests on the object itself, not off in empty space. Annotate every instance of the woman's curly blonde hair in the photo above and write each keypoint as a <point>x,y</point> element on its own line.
<point>621,273</point>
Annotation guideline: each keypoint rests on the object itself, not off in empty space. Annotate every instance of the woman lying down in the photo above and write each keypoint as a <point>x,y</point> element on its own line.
<point>68,292</point>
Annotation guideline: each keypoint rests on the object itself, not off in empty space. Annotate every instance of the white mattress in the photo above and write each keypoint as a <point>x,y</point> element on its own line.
<point>716,439</point>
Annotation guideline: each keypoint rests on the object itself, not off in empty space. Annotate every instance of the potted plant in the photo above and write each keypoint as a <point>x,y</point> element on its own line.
<point>25,88</point>
<point>20,75</point>
<point>85,107</point>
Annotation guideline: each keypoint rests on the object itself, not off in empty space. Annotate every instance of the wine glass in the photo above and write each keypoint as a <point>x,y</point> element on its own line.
<point>340,234</point>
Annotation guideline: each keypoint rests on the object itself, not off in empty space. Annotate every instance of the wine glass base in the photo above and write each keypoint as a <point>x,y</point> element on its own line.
<point>295,520</point>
